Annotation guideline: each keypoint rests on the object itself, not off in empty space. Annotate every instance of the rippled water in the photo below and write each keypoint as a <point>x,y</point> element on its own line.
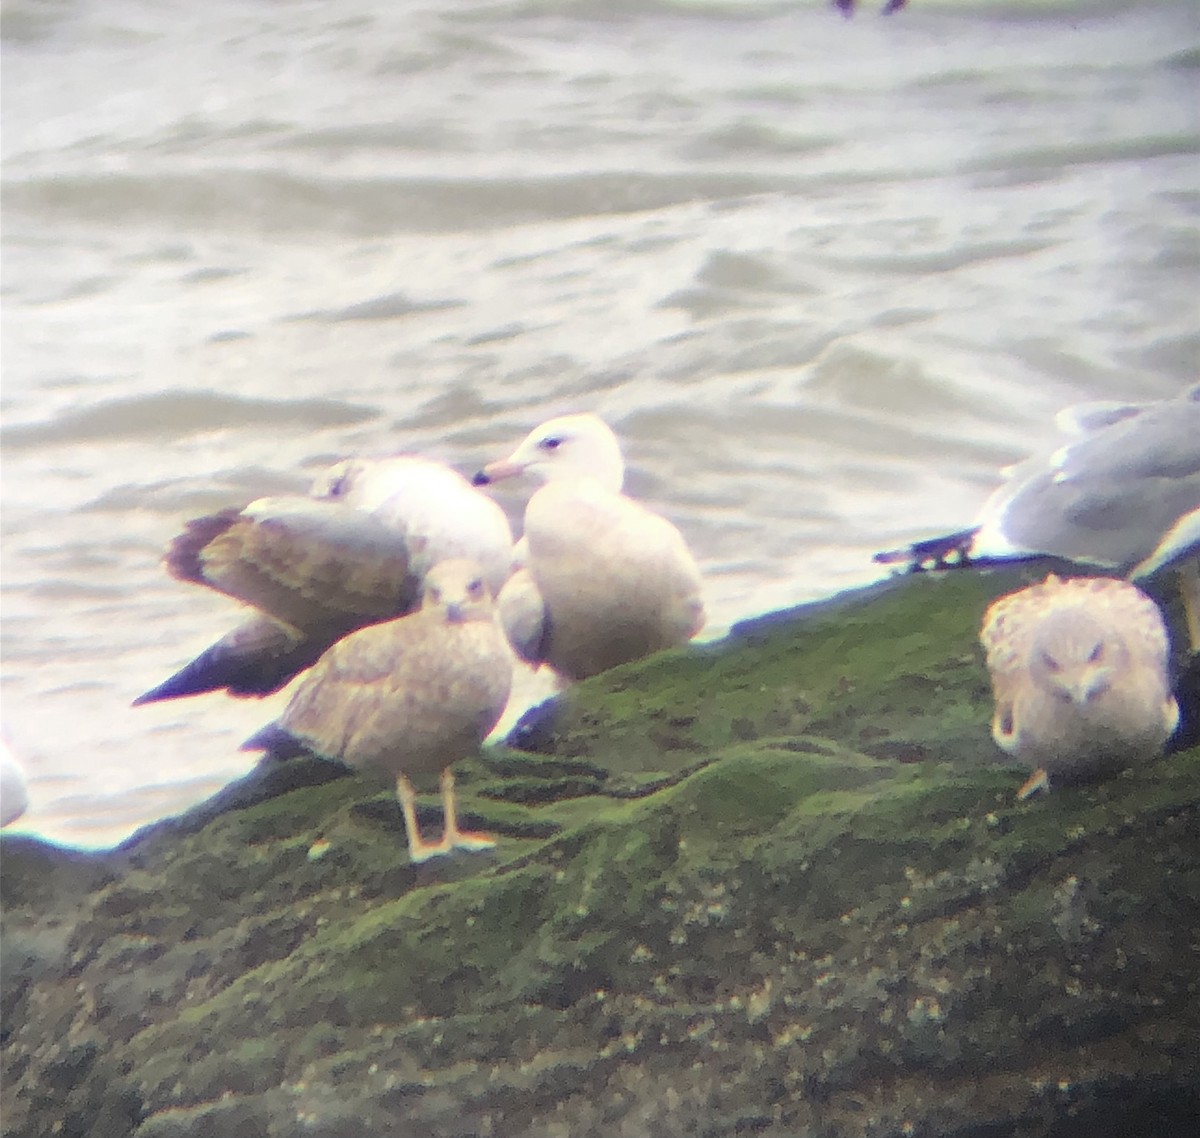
<point>824,276</point>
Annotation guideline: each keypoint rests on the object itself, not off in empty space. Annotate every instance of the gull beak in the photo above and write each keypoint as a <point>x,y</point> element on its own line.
<point>1090,686</point>
<point>497,471</point>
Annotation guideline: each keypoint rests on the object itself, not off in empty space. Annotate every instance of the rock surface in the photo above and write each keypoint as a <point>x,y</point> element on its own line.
<point>775,886</point>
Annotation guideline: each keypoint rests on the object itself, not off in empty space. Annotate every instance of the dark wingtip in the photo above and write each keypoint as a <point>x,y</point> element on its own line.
<point>535,730</point>
<point>191,679</point>
<point>277,741</point>
<point>480,478</point>
<point>954,549</point>
<point>255,659</point>
<point>195,678</point>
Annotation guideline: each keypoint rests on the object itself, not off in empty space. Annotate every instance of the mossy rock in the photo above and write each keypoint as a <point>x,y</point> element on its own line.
<point>778,885</point>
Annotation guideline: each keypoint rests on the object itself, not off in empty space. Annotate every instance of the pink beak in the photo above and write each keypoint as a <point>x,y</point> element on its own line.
<point>496,471</point>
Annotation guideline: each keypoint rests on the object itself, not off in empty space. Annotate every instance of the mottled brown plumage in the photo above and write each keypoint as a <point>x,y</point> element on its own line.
<point>408,697</point>
<point>314,568</point>
<point>1079,675</point>
<point>302,562</point>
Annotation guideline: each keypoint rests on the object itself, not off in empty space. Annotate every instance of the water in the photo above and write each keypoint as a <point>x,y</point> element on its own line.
<point>823,276</point>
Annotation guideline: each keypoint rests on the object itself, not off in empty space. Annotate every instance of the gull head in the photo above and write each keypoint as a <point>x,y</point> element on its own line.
<point>376,485</point>
<point>340,480</point>
<point>457,590</point>
<point>569,447</point>
<point>1075,657</point>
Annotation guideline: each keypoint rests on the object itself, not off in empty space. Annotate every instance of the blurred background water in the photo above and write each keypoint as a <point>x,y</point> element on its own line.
<point>824,276</point>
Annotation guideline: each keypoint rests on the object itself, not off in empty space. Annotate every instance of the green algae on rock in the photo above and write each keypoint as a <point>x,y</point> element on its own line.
<point>777,885</point>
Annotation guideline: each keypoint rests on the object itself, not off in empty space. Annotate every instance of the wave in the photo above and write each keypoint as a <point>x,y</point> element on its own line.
<point>277,202</point>
<point>179,413</point>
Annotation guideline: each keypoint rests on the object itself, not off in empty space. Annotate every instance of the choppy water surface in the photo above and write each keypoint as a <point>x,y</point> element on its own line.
<point>824,277</point>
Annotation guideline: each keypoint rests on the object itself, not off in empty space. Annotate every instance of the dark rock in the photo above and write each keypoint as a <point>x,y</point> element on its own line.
<point>774,886</point>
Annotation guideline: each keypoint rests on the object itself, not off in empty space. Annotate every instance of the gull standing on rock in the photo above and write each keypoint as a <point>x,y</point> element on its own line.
<point>408,697</point>
<point>1123,494</point>
<point>604,579</point>
<point>352,553</point>
<point>1079,675</point>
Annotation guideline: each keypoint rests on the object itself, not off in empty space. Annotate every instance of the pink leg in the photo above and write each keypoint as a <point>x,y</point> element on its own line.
<point>418,850</point>
<point>452,836</point>
<point>1039,780</point>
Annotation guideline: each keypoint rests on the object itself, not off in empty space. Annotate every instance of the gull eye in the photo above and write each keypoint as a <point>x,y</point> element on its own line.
<point>338,486</point>
<point>475,588</point>
<point>550,442</point>
<point>1052,665</point>
<point>1096,654</point>
<point>434,594</point>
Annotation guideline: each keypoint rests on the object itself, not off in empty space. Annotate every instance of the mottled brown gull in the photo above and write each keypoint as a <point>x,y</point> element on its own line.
<point>1122,494</point>
<point>1079,676</point>
<point>408,697</point>
<point>354,552</point>
<point>604,580</point>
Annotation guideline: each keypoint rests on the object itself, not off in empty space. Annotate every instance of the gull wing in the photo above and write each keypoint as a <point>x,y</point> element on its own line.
<point>307,564</point>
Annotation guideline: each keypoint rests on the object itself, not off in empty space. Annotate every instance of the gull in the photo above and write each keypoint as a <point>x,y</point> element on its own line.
<point>1079,676</point>
<point>1122,495</point>
<point>14,792</point>
<point>846,7</point>
<point>601,580</point>
<point>407,697</point>
<point>355,551</point>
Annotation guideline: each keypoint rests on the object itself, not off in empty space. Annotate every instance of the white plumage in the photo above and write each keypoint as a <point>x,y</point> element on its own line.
<point>604,580</point>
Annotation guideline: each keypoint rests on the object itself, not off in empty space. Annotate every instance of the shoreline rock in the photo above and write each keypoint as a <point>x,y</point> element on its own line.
<point>775,885</point>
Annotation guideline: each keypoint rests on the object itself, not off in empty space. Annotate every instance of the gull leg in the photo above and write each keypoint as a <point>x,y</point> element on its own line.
<point>453,837</point>
<point>418,849</point>
<point>1039,780</point>
<point>1189,588</point>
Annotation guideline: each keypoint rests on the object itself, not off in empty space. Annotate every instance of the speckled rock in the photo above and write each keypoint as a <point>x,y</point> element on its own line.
<point>778,885</point>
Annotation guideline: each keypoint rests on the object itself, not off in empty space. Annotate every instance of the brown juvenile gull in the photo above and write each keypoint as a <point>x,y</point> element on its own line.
<point>352,553</point>
<point>1123,494</point>
<point>1079,675</point>
<point>408,697</point>
<point>604,580</point>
